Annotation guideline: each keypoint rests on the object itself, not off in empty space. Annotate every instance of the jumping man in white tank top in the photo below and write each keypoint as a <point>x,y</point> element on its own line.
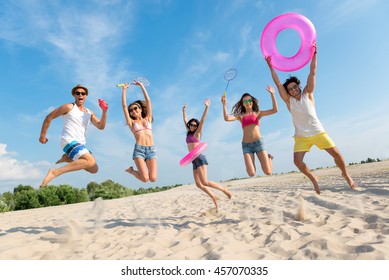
<point>76,119</point>
<point>308,129</point>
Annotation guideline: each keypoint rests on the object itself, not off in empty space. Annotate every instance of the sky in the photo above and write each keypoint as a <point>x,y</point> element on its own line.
<point>183,48</point>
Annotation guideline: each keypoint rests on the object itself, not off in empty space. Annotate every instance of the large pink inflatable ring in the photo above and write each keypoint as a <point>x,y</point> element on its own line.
<point>307,34</point>
<point>192,155</point>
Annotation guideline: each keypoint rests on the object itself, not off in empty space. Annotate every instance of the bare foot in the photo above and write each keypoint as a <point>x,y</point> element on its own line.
<point>227,193</point>
<point>130,170</point>
<point>64,158</point>
<point>215,199</point>
<point>350,181</point>
<point>316,185</point>
<point>50,176</point>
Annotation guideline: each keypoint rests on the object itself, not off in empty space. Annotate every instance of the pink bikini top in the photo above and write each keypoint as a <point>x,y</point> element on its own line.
<point>250,119</point>
<point>190,138</point>
<point>136,127</point>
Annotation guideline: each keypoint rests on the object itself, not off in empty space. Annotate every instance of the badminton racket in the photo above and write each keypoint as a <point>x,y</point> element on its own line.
<point>228,76</point>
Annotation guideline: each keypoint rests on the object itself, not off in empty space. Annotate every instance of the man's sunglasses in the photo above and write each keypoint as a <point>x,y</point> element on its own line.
<point>80,93</point>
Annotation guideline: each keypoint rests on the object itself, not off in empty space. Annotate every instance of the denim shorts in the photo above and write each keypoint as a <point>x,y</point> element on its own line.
<point>199,161</point>
<point>145,152</point>
<point>253,147</point>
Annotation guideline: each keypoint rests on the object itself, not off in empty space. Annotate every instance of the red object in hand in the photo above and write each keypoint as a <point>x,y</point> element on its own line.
<point>103,105</point>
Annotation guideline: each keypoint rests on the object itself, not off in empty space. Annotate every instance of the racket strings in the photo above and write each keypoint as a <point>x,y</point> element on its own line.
<point>230,74</point>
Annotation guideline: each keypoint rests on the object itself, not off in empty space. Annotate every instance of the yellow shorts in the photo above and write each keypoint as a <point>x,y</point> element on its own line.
<point>321,140</point>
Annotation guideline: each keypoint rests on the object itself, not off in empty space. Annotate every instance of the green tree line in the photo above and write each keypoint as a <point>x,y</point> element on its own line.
<point>26,197</point>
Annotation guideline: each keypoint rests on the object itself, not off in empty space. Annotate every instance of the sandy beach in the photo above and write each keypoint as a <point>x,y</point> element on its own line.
<point>277,217</point>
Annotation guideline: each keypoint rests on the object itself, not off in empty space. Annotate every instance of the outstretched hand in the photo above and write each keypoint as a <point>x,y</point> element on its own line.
<point>137,83</point>
<point>315,46</point>
<point>270,89</point>
<point>184,108</point>
<point>268,60</point>
<point>207,102</point>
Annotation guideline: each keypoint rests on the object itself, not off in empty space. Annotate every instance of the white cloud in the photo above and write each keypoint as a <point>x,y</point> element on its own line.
<point>14,170</point>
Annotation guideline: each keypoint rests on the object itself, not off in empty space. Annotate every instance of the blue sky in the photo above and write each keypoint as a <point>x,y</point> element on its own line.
<point>183,48</point>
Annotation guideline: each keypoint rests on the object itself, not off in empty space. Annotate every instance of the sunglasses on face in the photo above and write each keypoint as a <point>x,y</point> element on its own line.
<point>80,93</point>
<point>247,101</point>
<point>134,109</point>
<point>293,87</point>
<point>193,124</point>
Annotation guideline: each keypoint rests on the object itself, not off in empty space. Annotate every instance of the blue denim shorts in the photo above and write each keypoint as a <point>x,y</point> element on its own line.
<point>145,152</point>
<point>199,161</point>
<point>253,147</point>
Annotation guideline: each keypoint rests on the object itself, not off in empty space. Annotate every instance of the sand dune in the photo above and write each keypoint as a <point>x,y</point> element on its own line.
<point>275,217</point>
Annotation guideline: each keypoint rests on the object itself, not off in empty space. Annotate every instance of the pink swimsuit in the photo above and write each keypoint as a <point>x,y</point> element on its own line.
<point>249,119</point>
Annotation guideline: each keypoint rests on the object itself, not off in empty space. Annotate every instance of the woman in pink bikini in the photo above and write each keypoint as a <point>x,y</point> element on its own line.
<point>194,129</point>
<point>139,117</point>
<point>247,112</point>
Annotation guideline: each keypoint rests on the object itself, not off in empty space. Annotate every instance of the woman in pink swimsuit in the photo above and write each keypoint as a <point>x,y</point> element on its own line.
<point>138,118</point>
<point>194,129</point>
<point>247,112</point>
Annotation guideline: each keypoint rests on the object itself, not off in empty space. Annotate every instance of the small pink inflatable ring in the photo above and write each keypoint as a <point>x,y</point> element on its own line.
<point>192,155</point>
<point>307,33</point>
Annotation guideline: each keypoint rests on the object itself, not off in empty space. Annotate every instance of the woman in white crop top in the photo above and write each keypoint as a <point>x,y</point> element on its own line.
<point>138,117</point>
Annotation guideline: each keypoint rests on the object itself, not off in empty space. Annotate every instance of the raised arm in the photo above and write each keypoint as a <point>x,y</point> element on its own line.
<point>129,121</point>
<point>207,103</point>
<point>227,117</point>
<point>184,117</point>
<point>147,99</point>
<point>100,123</point>
<point>273,110</point>
<point>51,116</point>
<point>311,81</point>
<point>281,90</point>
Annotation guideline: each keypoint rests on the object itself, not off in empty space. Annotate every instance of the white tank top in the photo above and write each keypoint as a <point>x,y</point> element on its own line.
<point>305,120</point>
<point>75,125</point>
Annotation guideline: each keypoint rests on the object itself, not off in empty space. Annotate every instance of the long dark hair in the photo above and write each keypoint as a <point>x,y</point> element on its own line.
<point>239,109</point>
<point>141,104</point>
<point>188,125</point>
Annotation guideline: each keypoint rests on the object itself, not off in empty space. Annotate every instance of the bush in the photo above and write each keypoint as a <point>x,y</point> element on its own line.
<point>47,196</point>
<point>26,199</point>
<point>7,202</point>
<point>66,194</point>
<point>107,190</point>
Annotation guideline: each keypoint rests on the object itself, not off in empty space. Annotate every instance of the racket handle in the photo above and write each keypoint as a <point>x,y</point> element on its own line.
<point>120,85</point>
<point>225,93</point>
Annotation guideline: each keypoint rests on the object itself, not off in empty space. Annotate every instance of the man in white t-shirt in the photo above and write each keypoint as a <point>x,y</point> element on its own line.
<point>76,118</point>
<point>308,129</point>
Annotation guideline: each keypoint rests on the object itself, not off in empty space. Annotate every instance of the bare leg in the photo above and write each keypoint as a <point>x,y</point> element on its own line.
<point>202,174</point>
<point>205,189</point>
<point>64,158</point>
<point>142,172</point>
<point>266,162</point>
<point>152,167</point>
<point>249,162</point>
<point>298,161</point>
<point>87,162</point>
<point>339,161</point>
